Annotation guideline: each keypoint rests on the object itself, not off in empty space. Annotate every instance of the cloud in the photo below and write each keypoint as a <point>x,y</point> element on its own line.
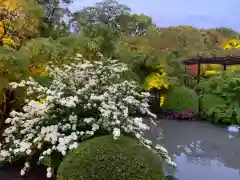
<point>202,14</point>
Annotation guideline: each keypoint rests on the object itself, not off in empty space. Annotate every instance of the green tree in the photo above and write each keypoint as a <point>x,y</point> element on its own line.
<point>53,24</point>
<point>18,21</point>
<point>105,12</point>
<point>109,21</point>
<point>133,24</point>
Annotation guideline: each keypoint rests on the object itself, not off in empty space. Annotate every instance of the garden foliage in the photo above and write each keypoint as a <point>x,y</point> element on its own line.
<point>222,92</point>
<point>214,108</point>
<point>102,158</point>
<point>74,100</point>
<point>84,99</point>
<point>180,99</point>
<point>19,21</point>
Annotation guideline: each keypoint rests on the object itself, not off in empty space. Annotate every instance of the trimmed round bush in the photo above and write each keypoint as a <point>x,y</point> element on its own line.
<point>180,99</point>
<point>103,158</point>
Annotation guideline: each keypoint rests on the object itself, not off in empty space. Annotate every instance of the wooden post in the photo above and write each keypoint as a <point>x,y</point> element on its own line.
<point>185,77</point>
<point>225,64</point>
<point>198,70</point>
<point>198,80</point>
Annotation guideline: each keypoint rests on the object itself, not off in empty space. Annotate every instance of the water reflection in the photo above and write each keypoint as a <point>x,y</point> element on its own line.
<point>201,150</point>
<point>203,169</point>
<point>192,148</point>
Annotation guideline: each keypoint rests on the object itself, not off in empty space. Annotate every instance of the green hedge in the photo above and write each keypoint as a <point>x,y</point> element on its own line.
<point>181,98</point>
<point>103,158</point>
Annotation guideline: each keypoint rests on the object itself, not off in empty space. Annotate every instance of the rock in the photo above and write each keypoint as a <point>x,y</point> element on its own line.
<point>234,128</point>
<point>230,136</point>
<point>170,177</point>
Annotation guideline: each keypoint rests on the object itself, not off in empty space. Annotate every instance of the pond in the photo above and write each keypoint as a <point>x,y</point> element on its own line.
<point>202,151</point>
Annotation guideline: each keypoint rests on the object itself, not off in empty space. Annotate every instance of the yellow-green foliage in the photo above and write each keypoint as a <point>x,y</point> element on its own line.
<point>155,80</point>
<point>13,65</point>
<point>210,72</point>
<point>162,99</point>
<point>39,70</point>
<point>19,19</point>
<point>103,158</point>
<point>232,43</point>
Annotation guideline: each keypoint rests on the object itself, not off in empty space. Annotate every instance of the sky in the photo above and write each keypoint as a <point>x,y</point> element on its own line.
<point>197,13</point>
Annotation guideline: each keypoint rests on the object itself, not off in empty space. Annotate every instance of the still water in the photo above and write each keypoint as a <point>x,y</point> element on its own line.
<point>202,151</point>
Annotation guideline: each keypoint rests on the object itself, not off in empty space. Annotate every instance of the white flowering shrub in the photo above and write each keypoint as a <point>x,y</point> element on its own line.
<point>84,99</point>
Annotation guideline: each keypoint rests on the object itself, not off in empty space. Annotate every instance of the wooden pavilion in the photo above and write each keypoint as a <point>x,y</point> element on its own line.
<point>224,61</point>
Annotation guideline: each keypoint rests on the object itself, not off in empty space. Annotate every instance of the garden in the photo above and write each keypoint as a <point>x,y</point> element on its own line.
<point>77,96</point>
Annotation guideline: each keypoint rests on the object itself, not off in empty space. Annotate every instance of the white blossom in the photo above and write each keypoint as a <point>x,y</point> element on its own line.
<point>27,165</point>
<point>163,150</point>
<point>116,133</point>
<point>81,100</point>
<point>22,173</point>
<point>49,172</point>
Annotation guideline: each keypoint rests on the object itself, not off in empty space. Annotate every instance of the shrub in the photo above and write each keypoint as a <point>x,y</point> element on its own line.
<point>180,99</point>
<point>84,99</point>
<point>102,158</point>
<point>209,104</point>
<point>209,101</point>
<point>216,109</point>
<point>225,86</point>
